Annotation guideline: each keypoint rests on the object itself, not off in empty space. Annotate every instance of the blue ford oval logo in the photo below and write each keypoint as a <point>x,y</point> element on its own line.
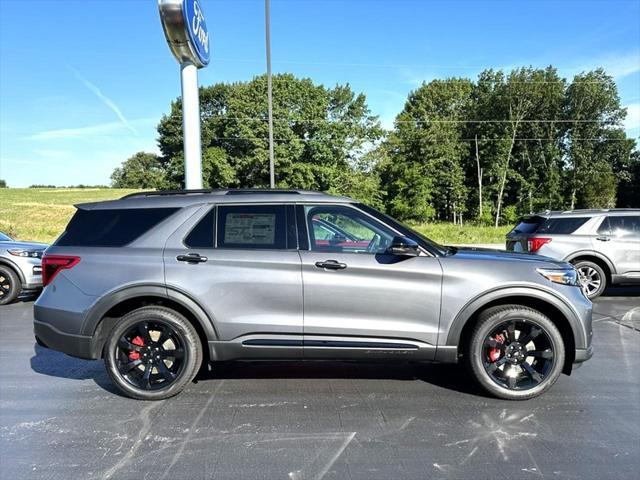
<point>197,29</point>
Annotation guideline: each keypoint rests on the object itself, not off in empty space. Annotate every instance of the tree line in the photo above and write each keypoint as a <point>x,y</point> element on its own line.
<point>487,150</point>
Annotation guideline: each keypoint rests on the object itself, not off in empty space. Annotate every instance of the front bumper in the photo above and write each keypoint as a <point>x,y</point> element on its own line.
<point>583,354</point>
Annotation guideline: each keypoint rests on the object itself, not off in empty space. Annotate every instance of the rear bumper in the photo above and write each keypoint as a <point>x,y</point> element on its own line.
<point>74,345</point>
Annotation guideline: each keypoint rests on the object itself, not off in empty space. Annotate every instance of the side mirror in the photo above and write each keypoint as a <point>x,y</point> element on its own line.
<point>403,247</point>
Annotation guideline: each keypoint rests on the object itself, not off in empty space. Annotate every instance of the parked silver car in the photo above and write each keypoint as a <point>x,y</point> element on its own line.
<point>604,245</point>
<point>158,283</point>
<point>20,269</point>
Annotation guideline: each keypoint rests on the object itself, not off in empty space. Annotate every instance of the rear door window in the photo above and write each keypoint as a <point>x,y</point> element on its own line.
<point>111,228</point>
<point>562,226</point>
<point>254,227</point>
<point>624,226</point>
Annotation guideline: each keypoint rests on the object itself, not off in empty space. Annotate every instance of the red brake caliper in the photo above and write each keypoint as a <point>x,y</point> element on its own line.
<point>133,355</point>
<point>494,353</point>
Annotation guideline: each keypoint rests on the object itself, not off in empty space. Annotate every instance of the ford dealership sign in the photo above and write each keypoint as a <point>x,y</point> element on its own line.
<point>186,30</point>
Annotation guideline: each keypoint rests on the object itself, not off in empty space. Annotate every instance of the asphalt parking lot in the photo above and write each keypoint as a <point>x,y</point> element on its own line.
<point>60,418</point>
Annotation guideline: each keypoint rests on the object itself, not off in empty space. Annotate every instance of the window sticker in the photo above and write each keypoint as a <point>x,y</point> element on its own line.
<point>250,228</point>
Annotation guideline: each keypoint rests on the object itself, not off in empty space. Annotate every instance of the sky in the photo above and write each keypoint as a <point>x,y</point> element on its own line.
<point>83,83</point>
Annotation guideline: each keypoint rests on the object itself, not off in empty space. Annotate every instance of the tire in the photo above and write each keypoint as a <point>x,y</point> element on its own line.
<point>593,277</point>
<point>493,354</point>
<point>152,353</point>
<point>10,286</point>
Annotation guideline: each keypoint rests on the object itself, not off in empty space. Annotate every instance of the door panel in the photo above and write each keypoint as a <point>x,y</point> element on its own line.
<point>245,291</point>
<point>374,296</point>
<point>619,239</point>
<point>355,295</point>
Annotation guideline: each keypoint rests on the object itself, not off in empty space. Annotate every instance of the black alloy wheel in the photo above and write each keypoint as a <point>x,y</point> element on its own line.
<point>9,285</point>
<point>152,353</point>
<point>518,355</point>
<point>515,352</point>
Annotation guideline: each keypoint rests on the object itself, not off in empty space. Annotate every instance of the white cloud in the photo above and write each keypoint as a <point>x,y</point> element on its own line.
<point>106,100</point>
<point>91,130</point>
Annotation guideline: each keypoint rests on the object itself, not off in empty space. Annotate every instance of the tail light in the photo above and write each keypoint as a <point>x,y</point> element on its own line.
<point>534,244</point>
<point>52,264</point>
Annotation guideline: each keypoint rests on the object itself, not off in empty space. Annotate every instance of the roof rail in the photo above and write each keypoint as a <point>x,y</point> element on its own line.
<point>245,191</point>
<point>160,193</point>
<point>221,191</point>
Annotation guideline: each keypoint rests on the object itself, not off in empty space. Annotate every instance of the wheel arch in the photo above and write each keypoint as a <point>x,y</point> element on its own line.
<point>554,308</point>
<point>5,262</point>
<point>108,310</point>
<point>605,263</point>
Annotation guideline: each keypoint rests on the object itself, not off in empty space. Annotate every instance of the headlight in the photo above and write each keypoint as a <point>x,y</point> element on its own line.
<point>563,276</point>
<point>21,252</point>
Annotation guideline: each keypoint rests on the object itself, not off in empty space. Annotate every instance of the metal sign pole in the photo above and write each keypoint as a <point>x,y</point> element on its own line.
<point>186,31</point>
<point>267,18</point>
<point>191,127</point>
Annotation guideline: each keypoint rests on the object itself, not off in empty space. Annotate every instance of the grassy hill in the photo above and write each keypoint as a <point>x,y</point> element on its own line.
<point>40,214</point>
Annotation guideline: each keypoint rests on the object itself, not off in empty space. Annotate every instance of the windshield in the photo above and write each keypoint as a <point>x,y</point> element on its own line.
<point>5,238</point>
<point>425,242</point>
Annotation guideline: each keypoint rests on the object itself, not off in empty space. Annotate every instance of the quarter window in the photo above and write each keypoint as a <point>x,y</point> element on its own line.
<point>252,227</point>
<point>345,230</point>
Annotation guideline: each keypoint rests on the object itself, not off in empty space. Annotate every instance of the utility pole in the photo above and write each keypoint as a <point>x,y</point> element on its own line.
<point>267,18</point>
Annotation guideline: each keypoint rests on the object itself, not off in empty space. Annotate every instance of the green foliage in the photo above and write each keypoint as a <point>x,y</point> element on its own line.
<point>142,170</point>
<point>3,183</point>
<point>321,136</point>
<point>487,151</point>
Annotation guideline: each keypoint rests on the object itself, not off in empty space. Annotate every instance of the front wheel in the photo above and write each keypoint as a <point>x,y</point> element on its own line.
<point>10,286</point>
<point>515,352</point>
<point>153,353</point>
<point>592,278</point>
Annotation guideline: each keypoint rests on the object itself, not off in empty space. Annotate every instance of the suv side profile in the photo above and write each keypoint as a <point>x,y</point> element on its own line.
<point>159,284</point>
<point>603,245</point>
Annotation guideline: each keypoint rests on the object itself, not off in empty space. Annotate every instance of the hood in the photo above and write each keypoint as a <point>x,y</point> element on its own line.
<point>473,253</point>
<point>25,245</point>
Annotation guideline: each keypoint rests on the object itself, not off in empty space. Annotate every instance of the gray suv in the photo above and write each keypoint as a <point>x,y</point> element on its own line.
<point>604,245</point>
<point>159,284</point>
<point>20,269</point>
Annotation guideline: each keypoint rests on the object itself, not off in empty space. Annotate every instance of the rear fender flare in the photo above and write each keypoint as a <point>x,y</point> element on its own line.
<point>592,253</point>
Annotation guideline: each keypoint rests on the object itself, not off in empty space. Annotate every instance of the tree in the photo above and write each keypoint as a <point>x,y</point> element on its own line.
<point>425,177</point>
<point>321,134</point>
<point>597,146</point>
<point>3,183</point>
<point>142,170</point>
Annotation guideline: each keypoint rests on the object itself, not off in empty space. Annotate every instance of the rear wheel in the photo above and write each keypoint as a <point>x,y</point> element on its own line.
<point>515,352</point>
<point>592,277</point>
<point>10,286</point>
<point>153,353</point>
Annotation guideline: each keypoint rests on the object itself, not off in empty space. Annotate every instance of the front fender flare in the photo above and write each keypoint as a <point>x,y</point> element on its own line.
<point>579,334</point>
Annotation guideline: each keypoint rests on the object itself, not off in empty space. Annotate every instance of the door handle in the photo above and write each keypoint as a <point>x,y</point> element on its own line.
<point>191,258</point>
<point>331,265</point>
<point>603,239</point>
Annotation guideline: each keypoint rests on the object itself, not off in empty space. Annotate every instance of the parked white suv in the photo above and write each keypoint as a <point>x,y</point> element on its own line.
<point>603,245</point>
<point>20,267</point>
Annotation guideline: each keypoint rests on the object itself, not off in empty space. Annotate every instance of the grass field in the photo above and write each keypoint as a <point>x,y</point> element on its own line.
<point>40,214</point>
